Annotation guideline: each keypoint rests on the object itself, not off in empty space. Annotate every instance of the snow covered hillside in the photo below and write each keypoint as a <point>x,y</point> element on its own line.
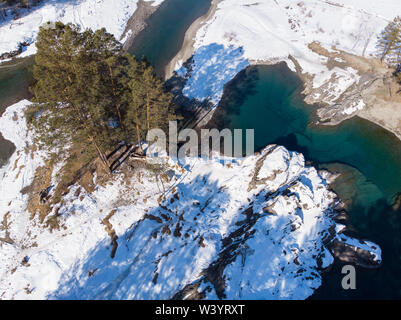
<point>307,34</point>
<point>110,14</point>
<point>258,227</point>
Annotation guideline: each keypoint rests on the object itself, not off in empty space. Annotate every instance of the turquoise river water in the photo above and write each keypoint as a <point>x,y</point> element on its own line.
<point>268,99</point>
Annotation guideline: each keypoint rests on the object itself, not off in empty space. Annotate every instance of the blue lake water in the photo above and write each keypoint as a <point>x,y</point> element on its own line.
<point>161,40</point>
<point>268,99</point>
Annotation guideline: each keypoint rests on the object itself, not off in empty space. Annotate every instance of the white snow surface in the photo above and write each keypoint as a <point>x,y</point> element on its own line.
<point>284,205</point>
<point>213,67</point>
<point>355,107</point>
<point>94,14</point>
<point>271,30</point>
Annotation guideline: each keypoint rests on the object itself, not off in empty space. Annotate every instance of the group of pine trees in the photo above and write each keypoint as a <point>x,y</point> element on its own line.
<point>89,91</point>
<point>389,45</point>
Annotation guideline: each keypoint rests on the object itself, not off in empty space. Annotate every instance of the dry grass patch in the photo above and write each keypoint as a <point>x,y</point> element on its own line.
<point>41,180</point>
<point>77,169</point>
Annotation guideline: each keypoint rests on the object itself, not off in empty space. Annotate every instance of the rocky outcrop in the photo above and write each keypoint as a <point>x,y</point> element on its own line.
<point>12,54</point>
<point>349,103</point>
<point>137,22</point>
<point>356,252</point>
<point>371,95</point>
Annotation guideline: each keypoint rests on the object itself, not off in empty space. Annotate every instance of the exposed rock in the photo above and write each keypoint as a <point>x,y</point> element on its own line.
<point>12,54</point>
<point>356,252</point>
<point>342,218</point>
<point>397,202</point>
<point>137,22</point>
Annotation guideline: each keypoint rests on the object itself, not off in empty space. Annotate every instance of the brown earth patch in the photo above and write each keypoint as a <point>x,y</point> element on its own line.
<point>111,232</point>
<point>377,87</point>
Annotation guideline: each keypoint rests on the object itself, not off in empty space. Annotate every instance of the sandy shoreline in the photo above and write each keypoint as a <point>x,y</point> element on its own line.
<point>137,22</point>
<point>387,117</point>
<point>187,49</point>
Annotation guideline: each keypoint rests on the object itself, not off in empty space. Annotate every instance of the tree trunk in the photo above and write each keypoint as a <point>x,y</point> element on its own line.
<point>147,114</point>
<point>101,154</point>
<point>138,135</point>
<point>115,96</point>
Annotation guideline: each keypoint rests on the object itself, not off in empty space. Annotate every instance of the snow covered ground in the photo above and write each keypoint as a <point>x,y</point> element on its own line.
<point>110,14</point>
<point>263,221</point>
<point>214,66</point>
<point>271,30</point>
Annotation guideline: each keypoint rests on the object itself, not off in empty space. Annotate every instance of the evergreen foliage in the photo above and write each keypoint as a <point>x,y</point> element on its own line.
<point>389,42</point>
<point>89,91</point>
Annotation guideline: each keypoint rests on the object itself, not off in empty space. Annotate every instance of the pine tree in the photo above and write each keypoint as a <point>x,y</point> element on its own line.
<point>72,90</point>
<point>150,105</point>
<point>158,102</point>
<point>389,42</point>
<point>107,54</point>
<point>135,120</point>
<point>88,91</point>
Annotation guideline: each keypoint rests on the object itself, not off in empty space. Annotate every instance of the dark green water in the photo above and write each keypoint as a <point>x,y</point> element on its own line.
<point>15,78</point>
<point>161,40</point>
<point>267,98</point>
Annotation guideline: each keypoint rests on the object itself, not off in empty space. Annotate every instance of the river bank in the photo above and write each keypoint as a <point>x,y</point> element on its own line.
<point>341,84</point>
<point>15,78</point>
<point>385,112</point>
<point>137,22</point>
<point>374,96</point>
<point>187,48</point>
<point>165,33</point>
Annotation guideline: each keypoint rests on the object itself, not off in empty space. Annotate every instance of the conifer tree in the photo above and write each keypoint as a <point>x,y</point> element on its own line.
<point>71,92</point>
<point>135,120</point>
<point>151,105</point>
<point>107,54</point>
<point>88,91</point>
<point>158,102</point>
<point>389,42</point>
